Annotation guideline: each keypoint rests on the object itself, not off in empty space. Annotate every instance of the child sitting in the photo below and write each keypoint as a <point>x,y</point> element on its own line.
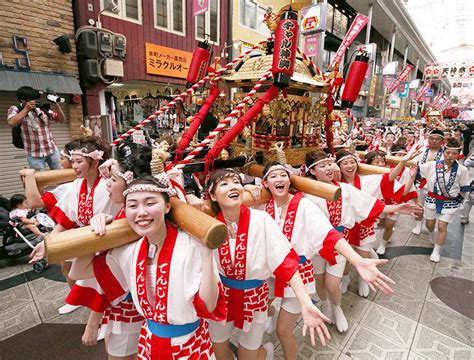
<point>19,206</point>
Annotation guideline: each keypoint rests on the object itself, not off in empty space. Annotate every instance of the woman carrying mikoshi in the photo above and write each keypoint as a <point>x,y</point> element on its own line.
<point>383,187</point>
<point>310,233</point>
<point>254,250</point>
<point>172,277</point>
<point>352,207</point>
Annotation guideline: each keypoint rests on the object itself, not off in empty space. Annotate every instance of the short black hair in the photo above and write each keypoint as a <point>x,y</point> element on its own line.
<point>16,200</point>
<point>27,93</point>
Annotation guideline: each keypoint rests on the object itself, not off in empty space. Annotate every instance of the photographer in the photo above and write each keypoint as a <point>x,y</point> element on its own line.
<point>34,120</point>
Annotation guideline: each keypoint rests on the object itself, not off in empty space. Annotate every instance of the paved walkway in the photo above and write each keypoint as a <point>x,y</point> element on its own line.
<point>429,316</point>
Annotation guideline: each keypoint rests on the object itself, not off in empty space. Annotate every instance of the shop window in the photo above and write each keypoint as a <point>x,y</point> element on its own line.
<point>130,10</point>
<point>207,24</point>
<point>251,15</point>
<point>169,16</point>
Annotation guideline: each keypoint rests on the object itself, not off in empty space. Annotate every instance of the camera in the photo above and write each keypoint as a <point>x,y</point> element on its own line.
<point>53,97</point>
<point>43,106</point>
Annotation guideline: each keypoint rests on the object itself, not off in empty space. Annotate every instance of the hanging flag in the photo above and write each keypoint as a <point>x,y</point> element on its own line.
<point>357,25</point>
<point>200,6</point>
<point>437,99</point>
<point>422,91</point>
<point>402,76</point>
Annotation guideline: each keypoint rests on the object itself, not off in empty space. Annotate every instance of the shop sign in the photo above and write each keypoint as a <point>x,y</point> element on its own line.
<point>313,19</point>
<point>16,40</point>
<point>311,45</point>
<point>429,93</point>
<point>200,6</point>
<point>412,93</point>
<point>403,90</point>
<point>165,61</point>
<point>357,25</point>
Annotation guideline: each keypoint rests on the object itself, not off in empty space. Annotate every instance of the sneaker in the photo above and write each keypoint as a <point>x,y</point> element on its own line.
<point>66,309</point>
<point>417,229</point>
<point>346,280</point>
<point>269,349</point>
<point>464,221</point>
<point>341,322</point>
<point>381,248</point>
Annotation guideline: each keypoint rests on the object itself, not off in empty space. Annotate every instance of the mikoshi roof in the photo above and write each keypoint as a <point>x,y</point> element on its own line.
<point>255,67</point>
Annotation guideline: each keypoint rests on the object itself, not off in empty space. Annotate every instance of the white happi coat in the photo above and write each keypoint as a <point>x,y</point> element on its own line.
<point>118,277</point>
<point>52,197</point>
<point>68,205</point>
<point>268,252</point>
<point>312,234</point>
<point>355,206</point>
<point>461,184</point>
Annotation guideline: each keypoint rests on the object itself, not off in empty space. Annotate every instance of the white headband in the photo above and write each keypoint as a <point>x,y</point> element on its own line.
<point>318,162</point>
<point>276,167</point>
<point>127,176</point>
<point>452,148</point>
<point>63,153</point>
<point>355,157</point>
<point>94,155</point>
<point>149,188</point>
<point>230,173</point>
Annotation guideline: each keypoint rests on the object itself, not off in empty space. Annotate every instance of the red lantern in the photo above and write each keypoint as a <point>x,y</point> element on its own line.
<point>354,80</point>
<point>284,53</point>
<point>199,63</point>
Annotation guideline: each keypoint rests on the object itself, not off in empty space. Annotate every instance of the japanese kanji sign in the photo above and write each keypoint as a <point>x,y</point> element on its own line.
<point>200,6</point>
<point>356,26</point>
<point>161,60</point>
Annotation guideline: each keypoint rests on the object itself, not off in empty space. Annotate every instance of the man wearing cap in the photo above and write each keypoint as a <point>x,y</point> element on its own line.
<point>433,152</point>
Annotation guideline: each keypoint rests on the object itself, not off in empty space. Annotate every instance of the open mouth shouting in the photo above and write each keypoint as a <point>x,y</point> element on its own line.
<point>234,194</point>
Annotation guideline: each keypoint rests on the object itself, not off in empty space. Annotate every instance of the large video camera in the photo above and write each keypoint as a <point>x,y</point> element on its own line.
<point>45,107</point>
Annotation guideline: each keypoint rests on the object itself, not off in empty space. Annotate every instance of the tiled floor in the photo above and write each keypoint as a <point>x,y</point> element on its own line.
<point>414,323</point>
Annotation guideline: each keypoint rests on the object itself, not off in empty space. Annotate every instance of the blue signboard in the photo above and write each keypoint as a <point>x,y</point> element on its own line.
<point>429,93</point>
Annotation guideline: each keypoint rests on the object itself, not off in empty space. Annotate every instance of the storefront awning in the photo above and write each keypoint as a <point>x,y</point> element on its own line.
<point>60,83</point>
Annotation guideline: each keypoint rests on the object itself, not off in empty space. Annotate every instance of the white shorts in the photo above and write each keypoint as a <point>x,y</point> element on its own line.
<point>366,244</point>
<point>321,266</point>
<point>291,304</point>
<point>250,340</point>
<point>123,344</point>
<point>430,214</point>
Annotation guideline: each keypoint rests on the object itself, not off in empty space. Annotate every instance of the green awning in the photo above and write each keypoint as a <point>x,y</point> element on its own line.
<point>60,83</point>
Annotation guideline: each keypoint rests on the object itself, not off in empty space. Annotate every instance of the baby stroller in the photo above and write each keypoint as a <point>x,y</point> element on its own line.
<point>17,241</point>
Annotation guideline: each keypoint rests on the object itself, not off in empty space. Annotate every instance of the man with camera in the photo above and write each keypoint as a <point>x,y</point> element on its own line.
<point>33,119</point>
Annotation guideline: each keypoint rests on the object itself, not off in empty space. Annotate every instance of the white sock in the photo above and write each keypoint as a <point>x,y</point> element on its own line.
<point>364,289</point>
<point>340,319</point>
<point>346,280</point>
<point>431,236</point>
<point>270,350</point>
<point>437,248</point>
<point>326,309</point>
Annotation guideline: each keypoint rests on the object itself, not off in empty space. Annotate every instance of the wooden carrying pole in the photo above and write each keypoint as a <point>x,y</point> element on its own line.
<point>365,169</point>
<point>79,242</point>
<point>54,177</point>
<point>389,159</point>
<point>306,185</point>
